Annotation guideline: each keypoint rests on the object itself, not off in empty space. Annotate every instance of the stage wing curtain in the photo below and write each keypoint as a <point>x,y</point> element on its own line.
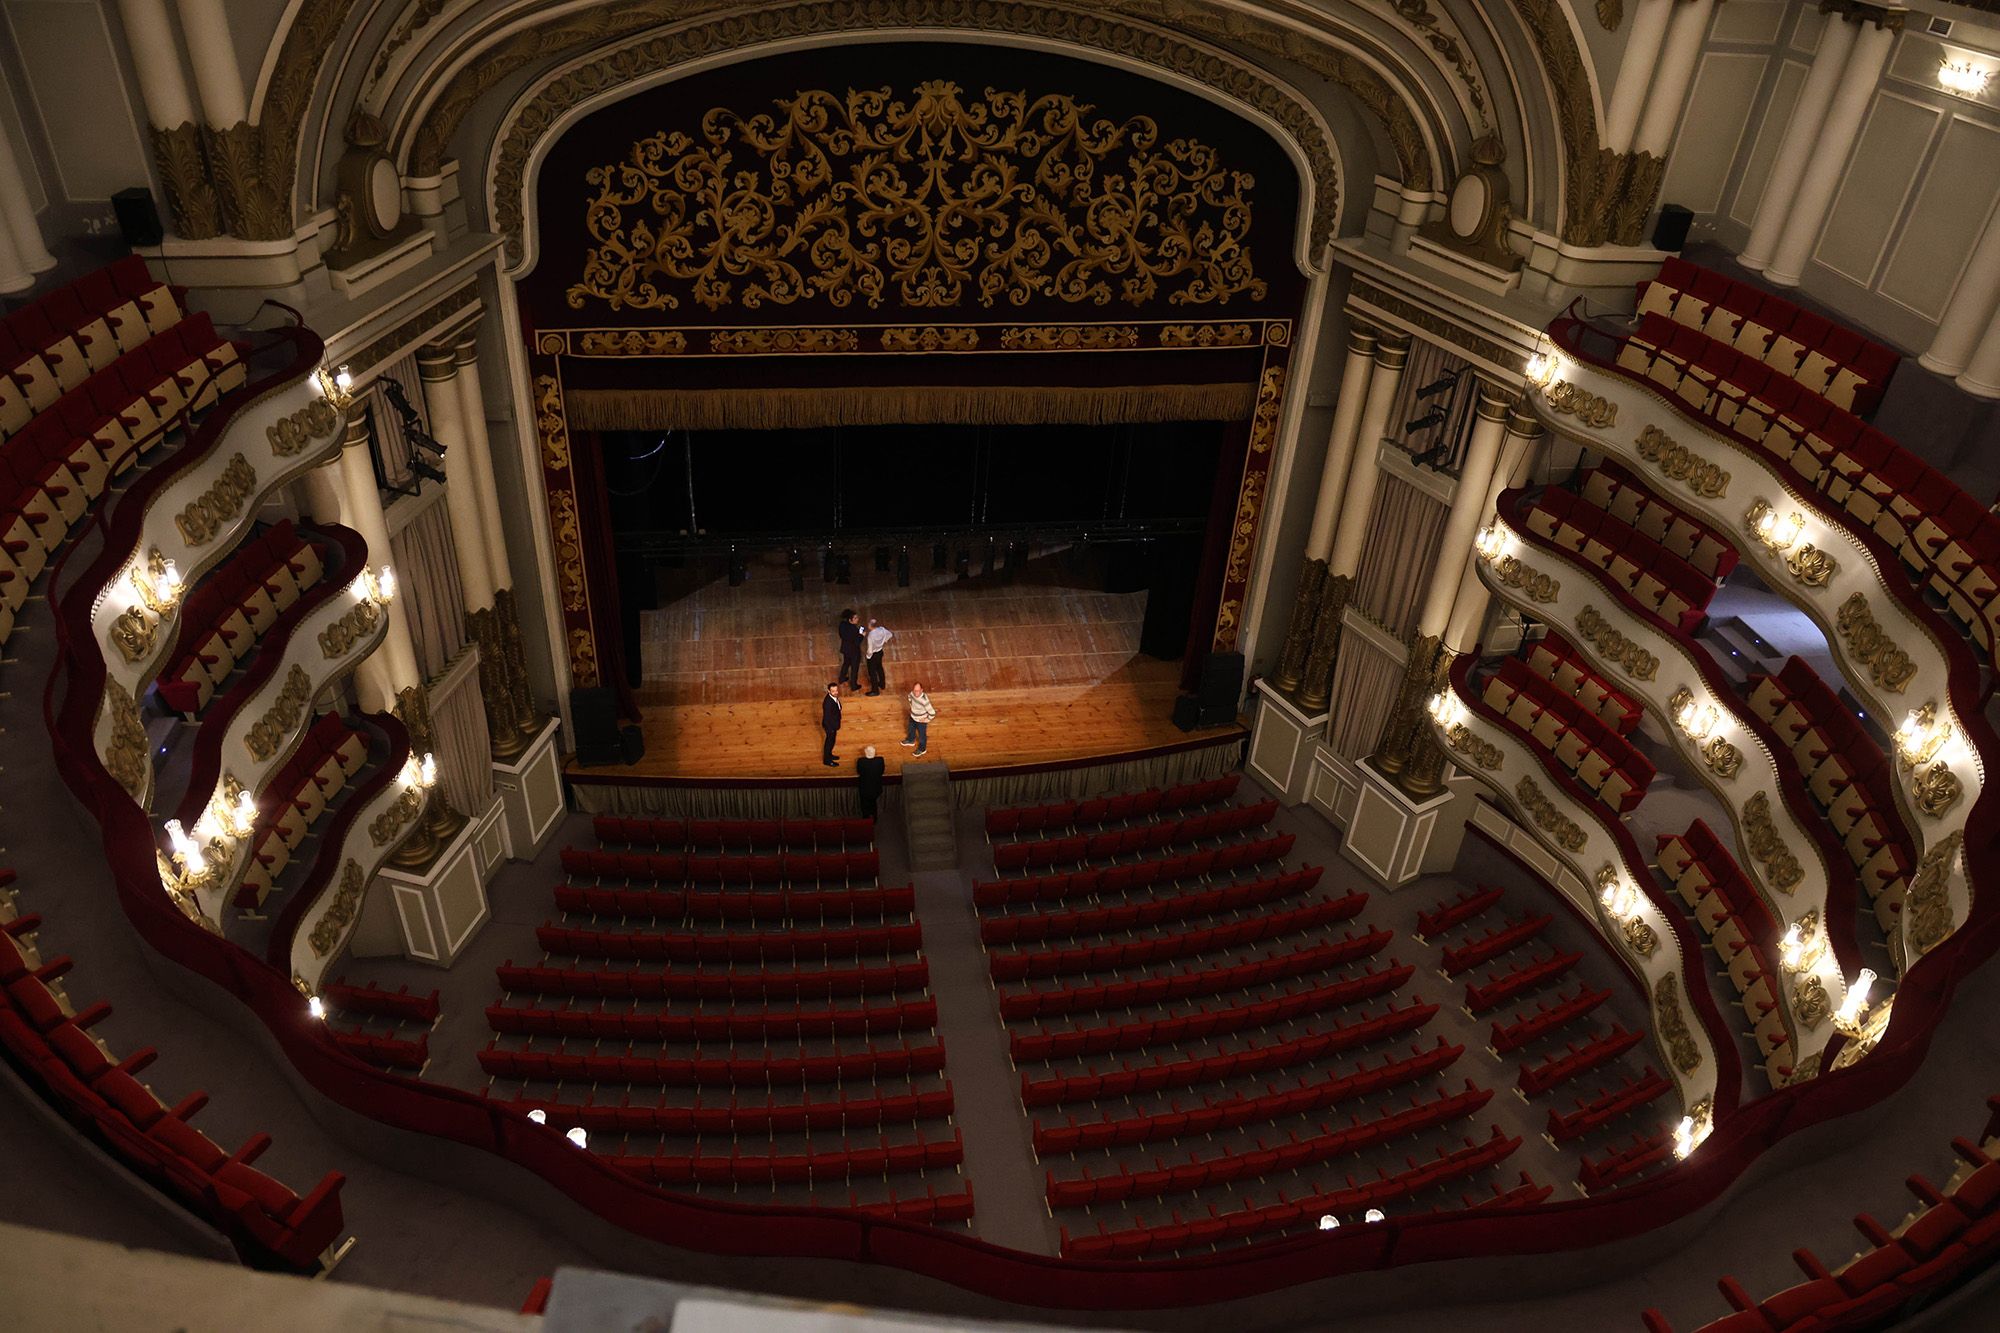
<point>464,749</point>
<point>1401,555</point>
<point>1366,681</point>
<point>427,581</point>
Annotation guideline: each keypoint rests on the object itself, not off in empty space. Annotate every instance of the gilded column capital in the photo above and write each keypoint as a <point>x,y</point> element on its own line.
<point>1299,634</point>
<point>1361,337</point>
<point>191,199</point>
<point>465,347</point>
<point>358,435</point>
<point>436,362</point>
<point>1392,350</point>
<point>1495,402</point>
<point>1317,686</point>
<point>1523,422</point>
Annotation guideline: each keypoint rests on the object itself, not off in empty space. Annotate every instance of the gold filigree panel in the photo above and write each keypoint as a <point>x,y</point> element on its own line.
<point>1888,665</point>
<point>865,198</point>
<point>1674,1033</point>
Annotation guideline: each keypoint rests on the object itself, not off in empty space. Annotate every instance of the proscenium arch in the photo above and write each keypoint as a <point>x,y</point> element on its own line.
<point>1317,196</point>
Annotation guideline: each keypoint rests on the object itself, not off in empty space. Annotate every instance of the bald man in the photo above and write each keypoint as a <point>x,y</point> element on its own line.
<point>868,780</point>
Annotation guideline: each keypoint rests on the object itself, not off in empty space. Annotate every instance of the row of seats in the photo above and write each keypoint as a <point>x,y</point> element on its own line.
<point>1085,1189</point>
<point>1443,916</point>
<point>736,1167</point>
<point>390,1052</point>
<point>1737,923</point>
<point>729,1025</point>
<point>1561,1066</point>
<point>1620,494</point>
<point>1203,1023</point>
<point>1608,1105</point>
<point>1095,881</point>
<point>1548,1016</point>
<point>928,1207</point>
<point>731,946</point>
<point>225,617</point>
<point>777,868</point>
<point>1131,841</point>
<point>761,983</point>
<point>1951,1235</point>
<point>55,342</point>
<point>1604,762</point>
<point>730,1112</point>
<point>1848,777</point>
<point>329,757</point>
<point>770,1068</point>
<point>369,998</point>
<point>796,905</point>
<point>1031,927</point>
<point>1099,995</point>
<point>1252,1058</point>
<point>1625,1162</point>
<point>1096,810</point>
<point>1254,1219</point>
<point>1237,1110</point>
<point>806,835</point>
<point>52,1045</point>
<point>1557,661</point>
<point>1660,582</point>
<point>1503,938</point>
<point>1161,948</point>
<point>1840,365</point>
<point>1499,988</point>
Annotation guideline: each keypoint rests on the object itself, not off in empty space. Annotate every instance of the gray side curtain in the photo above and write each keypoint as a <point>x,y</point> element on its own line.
<point>464,751</point>
<point>1365,681</point>
<point>1401,555</point>
<point>427,581</point>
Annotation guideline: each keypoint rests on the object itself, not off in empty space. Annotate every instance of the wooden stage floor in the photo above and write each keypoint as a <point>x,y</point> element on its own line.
<point>1038,672</point>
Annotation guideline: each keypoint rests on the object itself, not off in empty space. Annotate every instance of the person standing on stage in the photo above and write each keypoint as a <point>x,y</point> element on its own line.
<point>851,640</point>
<point>921,714</point>
<point>868,780</point>
<point>829,721</point>
<point>878,639</point>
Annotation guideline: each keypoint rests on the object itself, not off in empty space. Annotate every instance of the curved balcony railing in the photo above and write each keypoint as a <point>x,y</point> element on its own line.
<point>1803,870</point>
<point>1895,651</point>
<point>1652,942</point>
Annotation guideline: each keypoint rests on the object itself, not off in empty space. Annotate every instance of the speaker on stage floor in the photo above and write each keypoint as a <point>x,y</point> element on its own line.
<point>600,738</point>
<point>1187,712</point>
<point>1221,681</point>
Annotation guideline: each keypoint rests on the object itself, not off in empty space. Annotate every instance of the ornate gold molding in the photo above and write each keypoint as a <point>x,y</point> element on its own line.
<point>1318,683</point>
<point>1936,790</point>
<point>201,518</point>
<point>1634,660</point>
<point>1810,565</point>
<point>356,624</point>
<point>1208,335</point>
<point>1591,409</point>
<point>1681,1046</point>
<point>191,201</point>
<point>630,342</point>
<point>527,718</point>
<point>1510,572</point>
<point>568,537</point>
<point>1474,747</point>
<point>1640,936</point>
<point>1067,337</point>
<point>291,433</point>
<point>1610,13</point>
<point>1677,462</point>
<point>1767,846</point>
<point>764,342</point>
<point>1929,899</point>
<point>412,329</point>
<point>1810,1002</point>
<point>1250,499</point>
<point>127,758</point>
<point>582,658</point>
<point>1298,632</point>
<point>550,424</point>
<point>932,338</point>
<point>346,901</point>
<point>1722,758</point>
<point>250,207</point>
<point>1566,831</point>
<point>1867,643</point>
<point>268,734</point>
<point>387,826</point>
<point>133,633</point>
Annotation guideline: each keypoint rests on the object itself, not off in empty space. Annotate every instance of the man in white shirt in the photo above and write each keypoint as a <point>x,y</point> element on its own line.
<point>878,639</point>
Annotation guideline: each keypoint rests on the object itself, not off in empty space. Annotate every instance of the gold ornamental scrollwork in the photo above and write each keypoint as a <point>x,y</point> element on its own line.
<point>1566,831</point>
<point>1810,565</point>
<point>553,344</point>
<point>1634,660</point>
<point>1677,462</point>
<point>631,342</point>
<point>582,658</point>
<point>291,433</point>
<point>1723,759</point>
<point>1640,936</point>
<point>1250,500</point>
<point>1936,790</point>
<point>1888,665</point>
<point>550,423</point>
<point>1207,335</point>
<point>387,826</point>
<point>267,735</point>
<point>357,624</point>
<point>333,923</point>
<point>126,758</point>
<point>1473,746</point>
<point>931,338</point>
<point>864,197</point>
<point>1767,846</point>
<point>1589,408</point>
<point>1533,584</point>
<point>203,516</point>
<point>1928,902</point>
<point>766,342</point>
<point>133,634</point>
<point>1069,337</point>
<point>568,537</point>
<point>1810,1002</point>
<point>1681,1046</point>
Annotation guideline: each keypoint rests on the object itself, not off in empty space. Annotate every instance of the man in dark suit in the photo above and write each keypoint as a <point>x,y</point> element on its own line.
<point>851,641</point>
<point>868,780</point>
<point>829,721</point>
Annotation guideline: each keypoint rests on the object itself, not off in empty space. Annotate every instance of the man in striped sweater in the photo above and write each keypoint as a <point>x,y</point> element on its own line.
<point>921,713</point>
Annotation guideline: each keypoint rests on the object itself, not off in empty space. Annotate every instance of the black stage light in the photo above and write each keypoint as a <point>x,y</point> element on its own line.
<point>903,567</point>
<point>425,470</point>
<point>964,563</point>
<point>737,572</point>
<point>940,557</point>
<point>826,564</point>
<point>1426,421</point>
<point>1439,385</point>
<point>881,560</point>
<point>796,566</point>
<point>842,571</point>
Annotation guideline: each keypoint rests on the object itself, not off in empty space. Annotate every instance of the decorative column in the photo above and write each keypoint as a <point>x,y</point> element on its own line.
<point>249,208</point>
<point>1836,40</point>
<point>1471,502</point>
<point>1646,165</point>
<point>527,720</point>
<point>1635,73</point>
<point>1326,505</point>
<point>1982,372</point>
<point>1835,141</point>
<point>191,200</point>
<point>1357,503</point>
<point>440,823</point>
<point>392,667</point>
<point>17,217</point>
<point>1516,463</point>
<point>1973,302</point>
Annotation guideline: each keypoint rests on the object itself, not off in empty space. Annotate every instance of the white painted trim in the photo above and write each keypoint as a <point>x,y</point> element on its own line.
<point>428,954</point>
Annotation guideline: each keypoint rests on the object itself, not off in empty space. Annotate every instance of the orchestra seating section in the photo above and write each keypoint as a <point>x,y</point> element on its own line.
<point>1849,777</point>
<point>236,605</point>
<point>739,1009</point>
<point>389,1029</point>
<point>1738,926</point>
<point>1782,395</point>
<point>1660,582</point>
<point>1565,727</point>
<point>1952,1234</point>
<point>295,799</point>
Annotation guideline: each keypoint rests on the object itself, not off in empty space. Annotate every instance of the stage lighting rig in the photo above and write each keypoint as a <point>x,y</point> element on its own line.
<point>423,468</point>
<point>1429,419</point>
<point>414,432</point>
<point>1437,386</point>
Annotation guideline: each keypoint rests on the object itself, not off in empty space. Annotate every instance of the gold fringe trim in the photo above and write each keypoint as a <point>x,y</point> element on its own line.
<point>866,405</point>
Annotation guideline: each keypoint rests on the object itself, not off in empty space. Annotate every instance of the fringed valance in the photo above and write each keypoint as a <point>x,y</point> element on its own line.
<point>876,405</point>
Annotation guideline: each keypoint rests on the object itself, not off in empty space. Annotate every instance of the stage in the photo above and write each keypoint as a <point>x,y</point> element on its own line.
<point>1039,673</point>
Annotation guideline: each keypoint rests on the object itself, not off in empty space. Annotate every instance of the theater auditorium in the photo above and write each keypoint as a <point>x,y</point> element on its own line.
<point>1147,664</point>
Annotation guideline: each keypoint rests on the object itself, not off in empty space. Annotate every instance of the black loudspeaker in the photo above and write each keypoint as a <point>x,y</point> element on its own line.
<point>1671,231</point>
<point>138,216</point>
<point>1221,682</point>
<point>600,738</point>
<point>1187,712</point>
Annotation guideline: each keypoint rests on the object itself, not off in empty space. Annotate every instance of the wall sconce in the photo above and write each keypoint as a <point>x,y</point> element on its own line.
<point>316,1007</point>
<point>1688,1135</point>
<point>1803,945</point>
<point>385,586</point>
<point>337,385</point>
<point>579,1137</point>
<point>243,815</point>
<point>1446,709</point>
<point>419,772</point>
<point>1780,532</point>
<point>538,1115</point>
<point>370,586</point>
<point>158,584</point>
<point>1542,368</point>
<point>1851,1017</point>
<point>193,864</point>
<point>1965,77</point>
<point>1490,542</point>
<point>1697,720</point>
<point>1618,896</point>
<point>1921,736</point>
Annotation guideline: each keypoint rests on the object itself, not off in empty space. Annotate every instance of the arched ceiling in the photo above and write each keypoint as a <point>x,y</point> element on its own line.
<point>450,79</point>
